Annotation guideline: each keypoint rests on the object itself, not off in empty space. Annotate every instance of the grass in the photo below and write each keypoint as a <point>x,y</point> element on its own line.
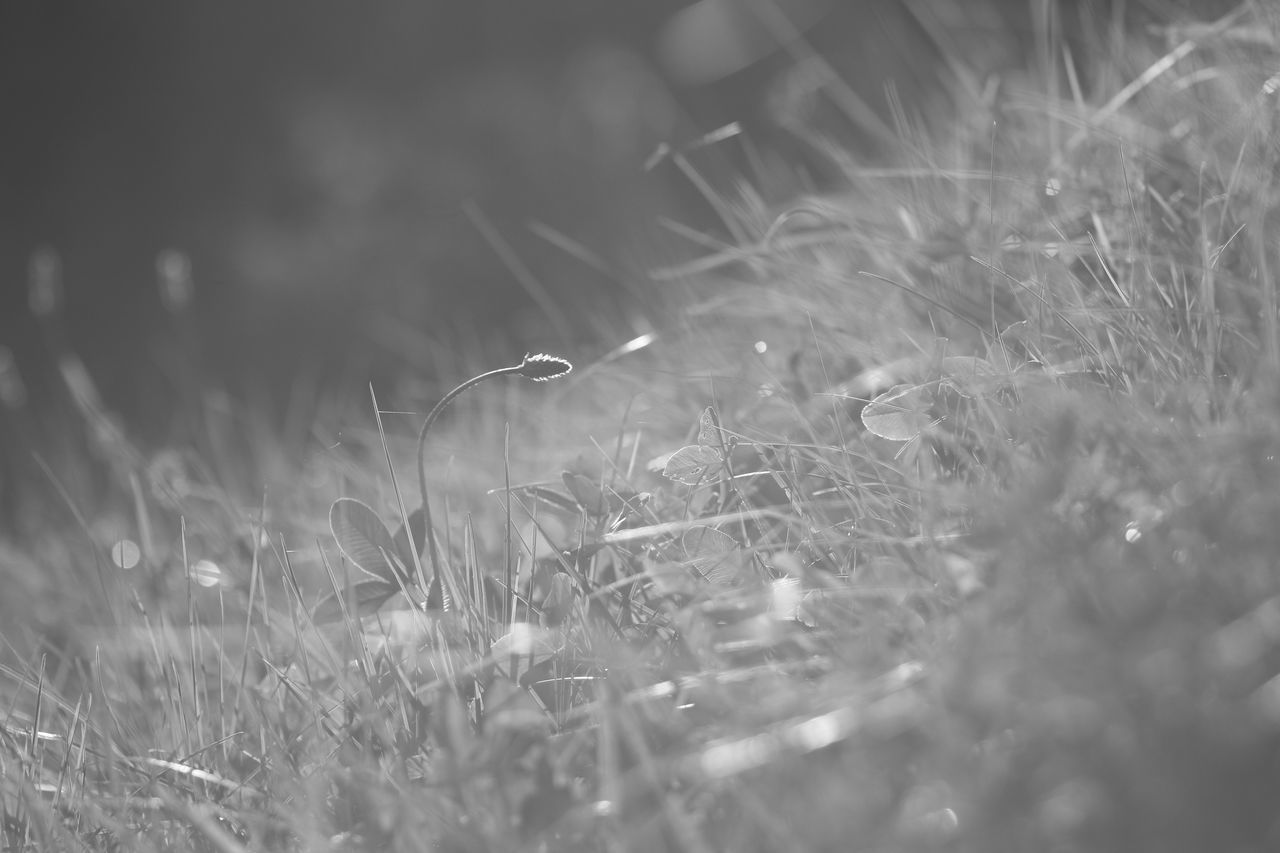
<point>944,519</point>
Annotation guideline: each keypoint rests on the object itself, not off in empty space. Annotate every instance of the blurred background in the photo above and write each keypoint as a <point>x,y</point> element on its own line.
<point>257,197</point>
<point>221,221</point>
<point>322,169</point>
<point>322,186</point>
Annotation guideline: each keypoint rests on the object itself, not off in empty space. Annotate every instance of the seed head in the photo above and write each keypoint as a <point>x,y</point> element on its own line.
<point>542,367</point>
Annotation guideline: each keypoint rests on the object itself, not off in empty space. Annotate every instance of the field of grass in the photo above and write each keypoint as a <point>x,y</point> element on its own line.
<point>944,515</point>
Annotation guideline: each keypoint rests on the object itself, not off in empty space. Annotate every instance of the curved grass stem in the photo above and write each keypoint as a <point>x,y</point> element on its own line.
<point>539,368</point>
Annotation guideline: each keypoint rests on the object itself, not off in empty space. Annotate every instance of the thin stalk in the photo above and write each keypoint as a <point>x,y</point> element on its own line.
<point>539,368</point>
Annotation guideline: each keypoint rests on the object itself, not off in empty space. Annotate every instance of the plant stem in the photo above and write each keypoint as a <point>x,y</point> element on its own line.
<point>422,459</point>
<point>539,368</point>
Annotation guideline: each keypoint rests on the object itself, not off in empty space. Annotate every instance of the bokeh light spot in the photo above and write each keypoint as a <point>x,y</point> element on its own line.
<point>44,283</point>
<point>206,573</point>
<point>125,554</point>
<point>13,392</point>
<point>177,287</point>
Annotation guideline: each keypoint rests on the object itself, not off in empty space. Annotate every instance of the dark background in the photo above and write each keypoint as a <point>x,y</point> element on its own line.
<point>322,165</point>
<point>310,158</point>
<point>320,174</point>
<point>325,170</point>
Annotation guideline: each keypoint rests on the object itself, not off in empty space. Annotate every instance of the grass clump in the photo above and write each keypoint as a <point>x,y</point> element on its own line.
<point>945,519</point>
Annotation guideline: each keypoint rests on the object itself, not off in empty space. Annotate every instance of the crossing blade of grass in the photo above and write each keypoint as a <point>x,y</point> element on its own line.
<point>415,548</point>
<point>350,621</point>
<point>107,599</point>
<point>509,573</point>
<point>254,581</point>
<point>478,593</point>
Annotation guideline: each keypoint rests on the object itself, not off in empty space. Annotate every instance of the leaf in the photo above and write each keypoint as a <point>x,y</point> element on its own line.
<point>587,493</point>
<point>559,601</point>
<point>692,464</point>
<point>367,597</point>
<point>708,430</point>
<point>418,525</point>
<point>510,707</point>
<point>525,640</point>
<point>580,557</point>
<point>713,554</point>
<point>899,414</point>
<point>543,538</point>
<point>551,497</point>
<point>589,466</point>
<point>972,376</point>
<point>670,578</point>
<point>365,540</point>
<point>437,596</point>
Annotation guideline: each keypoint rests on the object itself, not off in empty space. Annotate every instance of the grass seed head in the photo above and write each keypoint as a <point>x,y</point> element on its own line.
<point>542,367</point>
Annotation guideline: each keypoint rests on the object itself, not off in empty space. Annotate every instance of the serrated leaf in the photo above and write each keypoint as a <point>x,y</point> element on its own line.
<point>708,432</point>
<point>899,414</point>
<point>693,464</point>
<point>365,540</point>
<point>366,597</point>
<point>713,554</point>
